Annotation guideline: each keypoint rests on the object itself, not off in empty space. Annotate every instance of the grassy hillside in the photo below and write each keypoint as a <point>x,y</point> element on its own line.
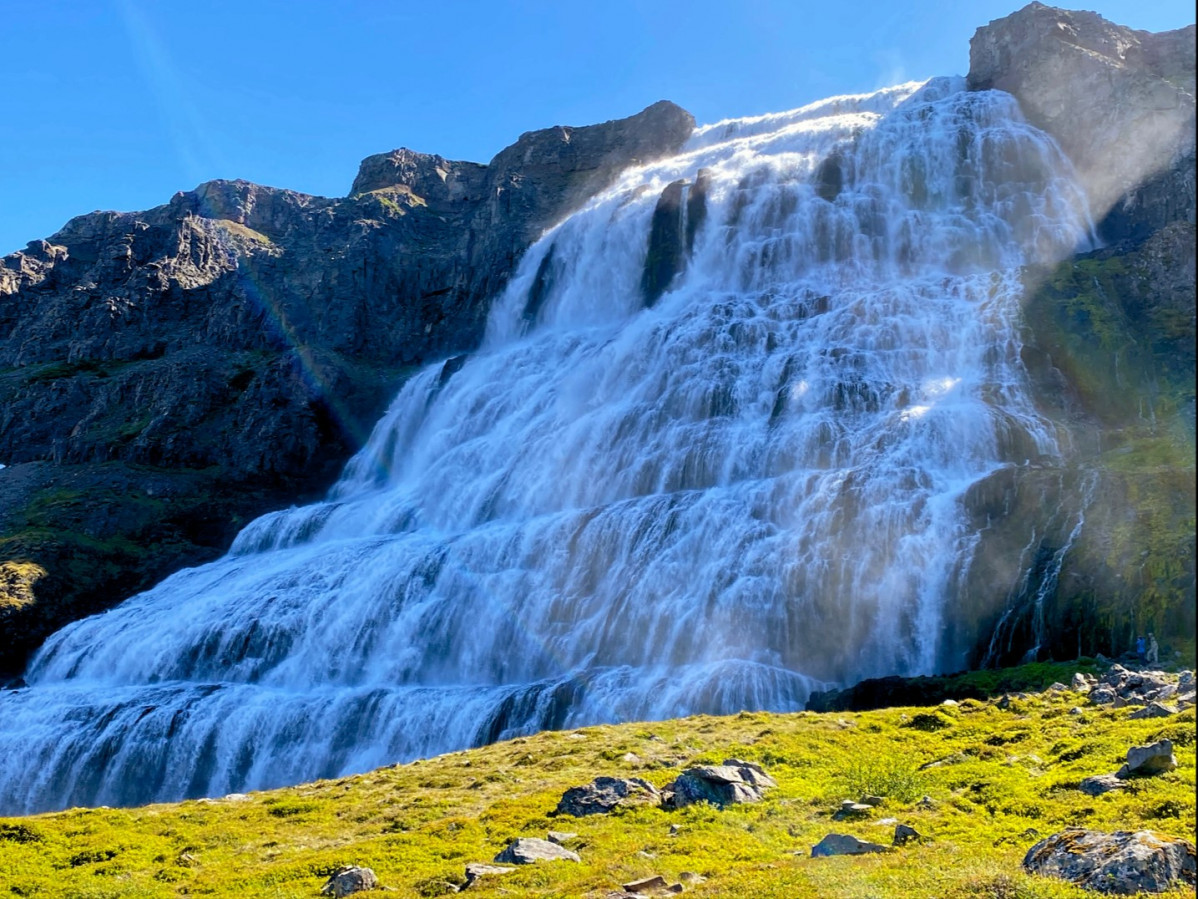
<point>1000,780</point>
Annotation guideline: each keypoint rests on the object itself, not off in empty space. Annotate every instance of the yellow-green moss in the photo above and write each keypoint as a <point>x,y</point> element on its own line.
<point>999,780</point>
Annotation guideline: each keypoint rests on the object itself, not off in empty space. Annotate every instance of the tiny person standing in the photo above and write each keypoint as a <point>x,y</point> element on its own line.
<point>1141,649</point>
<point>1153,649</point>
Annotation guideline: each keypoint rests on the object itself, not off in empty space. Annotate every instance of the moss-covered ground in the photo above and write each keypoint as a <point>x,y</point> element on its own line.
<point>999,780</point>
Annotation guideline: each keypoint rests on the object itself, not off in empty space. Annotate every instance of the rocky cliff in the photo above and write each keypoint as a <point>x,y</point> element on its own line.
<point>1101,549</point>
<point>167,375</point>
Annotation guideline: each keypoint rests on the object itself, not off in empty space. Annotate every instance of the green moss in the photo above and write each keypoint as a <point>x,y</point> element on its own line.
<point>996,783</point>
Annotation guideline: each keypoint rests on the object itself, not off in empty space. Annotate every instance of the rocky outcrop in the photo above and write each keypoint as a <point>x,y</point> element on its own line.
<point>167,375</point>
<point>1120,863</point>
<point>1120,102</point>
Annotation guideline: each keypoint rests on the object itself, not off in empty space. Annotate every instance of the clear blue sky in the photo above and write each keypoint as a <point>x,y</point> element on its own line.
<point>117,104</point>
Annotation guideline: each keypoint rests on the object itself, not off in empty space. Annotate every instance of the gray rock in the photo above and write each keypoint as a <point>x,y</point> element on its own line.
<point>904,835</point>
<point>1079,683</point>
<point>475,870</point>
<point>349,879</point>
<point>1103,695</point>
<point>843,844</point>
<point>604,794</point>
<point>561,837</point>
<point>871,800</point>
<point>733,782</point>
<point>1120,863</point>
<point>849,809</point>
<point>1153,710</point>
<point>1057,687</point>
<point>654,884</point>
<point>1100,783</point>
<point>529,850</point>
<point>1155,758</point>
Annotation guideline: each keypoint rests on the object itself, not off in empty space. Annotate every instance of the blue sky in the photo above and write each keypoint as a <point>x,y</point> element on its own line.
<point>117,104</point>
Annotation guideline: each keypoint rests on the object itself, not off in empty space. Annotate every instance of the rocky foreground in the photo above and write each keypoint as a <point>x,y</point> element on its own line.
<point>978,798</point>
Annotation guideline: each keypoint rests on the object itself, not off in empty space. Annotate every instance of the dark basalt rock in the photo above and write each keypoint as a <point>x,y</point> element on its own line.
<point>666,256</point>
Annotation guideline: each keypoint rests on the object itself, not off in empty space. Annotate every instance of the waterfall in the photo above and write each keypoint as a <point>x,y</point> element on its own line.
<point>705,473</point>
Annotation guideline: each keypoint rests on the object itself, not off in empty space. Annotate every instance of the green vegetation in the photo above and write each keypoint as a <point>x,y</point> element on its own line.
<point>999,780</point>
<point>16,583</point>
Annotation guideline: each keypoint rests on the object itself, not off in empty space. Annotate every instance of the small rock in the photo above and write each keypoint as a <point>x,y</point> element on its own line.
<point>904,835</point>
<point>529,850</point>
<point>475,870</point>
<point>1153,710</point>
<point>561,837</point>
<point>1121,863</point>
<point>886,822</point>
<point>1076,711</point>
<point>1154,758</point>
<point>349,879</point>
<point>1103,695</point>
<point>653,884</point>
<point>1057,687</point>
<point>871,800</point>
<point>691,877</point>
<point>631,758</point>
<point>604,794</point>
<point>849,809</point>
<point>1099,784</point>
<point>1079,683</point>
<point>926,802</point>
<point>675,829</point>
<point>843,844</point>
<point>841,722</point>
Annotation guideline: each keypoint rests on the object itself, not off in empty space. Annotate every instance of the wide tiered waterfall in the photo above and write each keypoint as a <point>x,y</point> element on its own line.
<point>710,457</point>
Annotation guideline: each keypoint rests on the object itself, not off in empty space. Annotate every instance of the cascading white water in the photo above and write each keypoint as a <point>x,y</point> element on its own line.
<point>616,511</point>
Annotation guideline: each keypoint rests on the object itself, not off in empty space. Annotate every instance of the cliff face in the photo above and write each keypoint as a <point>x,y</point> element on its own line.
<point>1109,342</point>
<point>167,375</point>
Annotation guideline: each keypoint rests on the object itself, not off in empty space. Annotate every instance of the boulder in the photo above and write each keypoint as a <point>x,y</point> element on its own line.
<point>1079,683</point>
<point>1120,863</point>
<point>349,879</point>
<point>904,834</point>
<point>1155,758</point>
<point>529,850</point>
<point>604,794</point>
<point>843,844</point>
<point>733,782</point>
<point>1099,784</point>
<point>561,837</point>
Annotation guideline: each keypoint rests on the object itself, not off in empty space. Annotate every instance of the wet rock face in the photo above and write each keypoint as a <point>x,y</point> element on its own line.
<point>167,375</point>
<point>1121,863</point>
<point>1119,101</point>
